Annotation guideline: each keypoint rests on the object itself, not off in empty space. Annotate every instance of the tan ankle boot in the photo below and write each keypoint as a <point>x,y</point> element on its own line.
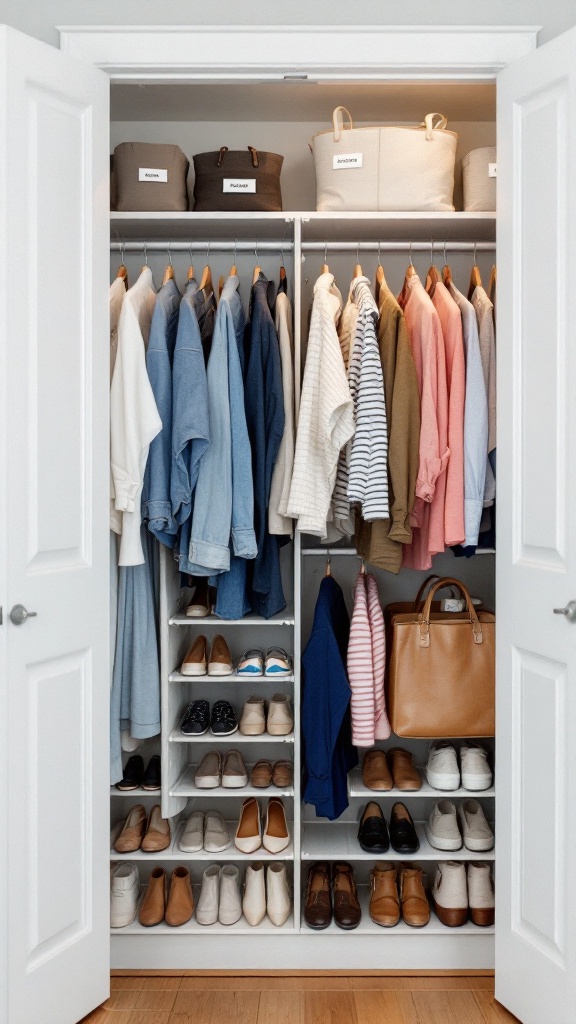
<point>384,900</point>
<point>154,902</point>
<point>180,900</point>
<point>415,906</point>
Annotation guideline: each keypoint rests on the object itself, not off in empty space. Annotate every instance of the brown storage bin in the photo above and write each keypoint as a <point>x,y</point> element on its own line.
<point>238,181</point>
<point>150,176</point>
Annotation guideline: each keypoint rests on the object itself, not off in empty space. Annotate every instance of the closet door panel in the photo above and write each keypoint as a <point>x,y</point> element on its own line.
<point>55,281</point>
<point>536,570</point>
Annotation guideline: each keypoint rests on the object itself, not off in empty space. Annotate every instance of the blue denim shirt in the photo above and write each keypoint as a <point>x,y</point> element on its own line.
<point>224,499</point>
<point>156,503</point>
<point>264,402</point>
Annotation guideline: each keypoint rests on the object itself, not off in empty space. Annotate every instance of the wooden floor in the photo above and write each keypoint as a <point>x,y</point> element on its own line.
<point>301,1000</point>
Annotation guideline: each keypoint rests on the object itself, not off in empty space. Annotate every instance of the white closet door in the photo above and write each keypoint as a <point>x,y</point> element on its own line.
<point>54,278</point>
<point>536,573</point>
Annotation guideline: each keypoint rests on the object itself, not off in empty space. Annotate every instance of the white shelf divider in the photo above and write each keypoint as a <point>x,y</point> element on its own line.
<point>236,739</point>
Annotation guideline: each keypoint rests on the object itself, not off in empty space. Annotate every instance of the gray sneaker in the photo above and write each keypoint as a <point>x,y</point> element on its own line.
<point>442,830</point>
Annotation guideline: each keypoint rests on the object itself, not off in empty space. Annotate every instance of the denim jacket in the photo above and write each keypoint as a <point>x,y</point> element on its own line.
<point>190,425</point>
<point>224,499</point>
<point>156,504</point>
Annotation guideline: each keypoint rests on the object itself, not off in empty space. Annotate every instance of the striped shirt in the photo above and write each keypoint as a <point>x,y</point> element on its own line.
<point>368,468</point>
<point>341,513</point>
<point>366,663</point>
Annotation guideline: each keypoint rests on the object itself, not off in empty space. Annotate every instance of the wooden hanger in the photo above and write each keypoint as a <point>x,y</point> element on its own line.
<point>492,284</point>
<point>190,274</point>
<point>206,282</point>
<point>363,567</point>
<point>432,277</point>
<point>446,270</point>
<point>328,569</point>
<point>257,268</point>
<point>358,268</point>
<point>169,272</point>
<point>123,273</point>
<point>380,279</point>
<point>220,285</point>
<point>475,279</point>
<point>234,268</point>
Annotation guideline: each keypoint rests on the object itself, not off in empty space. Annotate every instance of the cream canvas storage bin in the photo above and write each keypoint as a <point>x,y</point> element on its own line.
<point>479,179</point>
<point>385,168</point>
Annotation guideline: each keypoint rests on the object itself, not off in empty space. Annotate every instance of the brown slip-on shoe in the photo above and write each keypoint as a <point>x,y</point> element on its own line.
<point>180,906</point>
<point>199,606</point>
<point>347,912</point>
<point>196,660</point>
<point>131,836</point>
<point>276,835</point>
<point>261,776</point>
<point>384,900</point>
<point>154,902</point>
<point>403,771</point>
<point>318,899</point>
<point>220,660</point>
<point>415,906</point>
<point>157,832</point>
<point>282,774</point>
<point>375,772</point>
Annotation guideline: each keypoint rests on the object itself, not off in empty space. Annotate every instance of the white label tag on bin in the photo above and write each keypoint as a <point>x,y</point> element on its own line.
<point>152,174</point>
<point>346,161</point>
<point>492,170</point>
<point>239,185</point>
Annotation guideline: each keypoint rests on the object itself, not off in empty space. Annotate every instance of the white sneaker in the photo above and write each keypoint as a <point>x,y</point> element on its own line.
<point>192,837</point>
<point>230,908</point>
<point>442,769</point>
<point>278,902</point>
<point>481,894</point>
<point>124,895</point>
<point>216,835</point>
<point>254,901</point>
<point>478,835</point>
<point>476,774</point>
<point>207,909</point>
<point>450,893</point>
<point>442,827</point>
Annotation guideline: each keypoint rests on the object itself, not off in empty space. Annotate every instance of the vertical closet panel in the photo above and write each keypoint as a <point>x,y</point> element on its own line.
<point>55,160</point>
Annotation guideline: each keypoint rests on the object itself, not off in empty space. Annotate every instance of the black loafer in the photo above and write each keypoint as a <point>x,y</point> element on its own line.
<point>152,778</point>
<point>223,721</point>
<point>402,832</point>
<point>196,718</point>
<point>373,833</point>
<point>132,775</point>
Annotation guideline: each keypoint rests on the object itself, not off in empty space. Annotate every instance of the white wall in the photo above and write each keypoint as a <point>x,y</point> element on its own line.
<point>39,17</point>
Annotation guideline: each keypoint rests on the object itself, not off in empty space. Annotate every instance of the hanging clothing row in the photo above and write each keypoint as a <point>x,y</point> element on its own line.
<point>202,434</point>
<point>397,432</point>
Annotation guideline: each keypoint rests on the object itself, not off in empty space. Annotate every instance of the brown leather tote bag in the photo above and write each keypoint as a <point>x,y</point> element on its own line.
<point>441,675</point>
<point>237,181</point>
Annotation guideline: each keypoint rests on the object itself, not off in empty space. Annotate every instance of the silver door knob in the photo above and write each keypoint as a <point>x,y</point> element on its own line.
<point>569,611</point>
<point>19,614</point>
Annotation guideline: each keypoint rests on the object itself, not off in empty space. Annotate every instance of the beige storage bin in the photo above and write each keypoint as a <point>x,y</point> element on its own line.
<point>150,177</point>
<point>479,186</point>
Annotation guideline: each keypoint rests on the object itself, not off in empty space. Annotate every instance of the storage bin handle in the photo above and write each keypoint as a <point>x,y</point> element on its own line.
<point>428,123</point>
<point>253,153</point>
<point>338,122</point>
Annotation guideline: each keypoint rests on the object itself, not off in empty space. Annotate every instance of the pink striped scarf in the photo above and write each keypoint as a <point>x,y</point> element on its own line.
<point>366,663</point>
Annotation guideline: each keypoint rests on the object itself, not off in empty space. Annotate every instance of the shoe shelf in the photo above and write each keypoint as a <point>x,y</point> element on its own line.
<point>357,788</point>
<point>234,739</point>
<point>337,841</point>
<point>193,928</point>
<point>184,786</point>
<point>367,926</point>
<point>285,618</point>
<point>178,677</point>
<point>139,793</point>
<point>173,853</point>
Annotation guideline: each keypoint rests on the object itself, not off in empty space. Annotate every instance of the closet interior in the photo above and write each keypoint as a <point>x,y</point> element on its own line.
<point>281,117</point>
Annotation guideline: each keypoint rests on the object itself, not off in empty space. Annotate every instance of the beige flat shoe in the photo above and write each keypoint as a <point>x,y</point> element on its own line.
<point>158,836</point>
<point>131,836</point>
<point>248,837</point>
<point>220,661</point>
<point>276,836</point>
<point>234,774</point>
<point>195,662</point>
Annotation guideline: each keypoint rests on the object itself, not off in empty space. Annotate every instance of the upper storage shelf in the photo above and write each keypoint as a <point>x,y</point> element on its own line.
<point>316,227</point>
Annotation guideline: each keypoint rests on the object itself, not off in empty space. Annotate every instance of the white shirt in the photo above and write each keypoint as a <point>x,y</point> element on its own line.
<point>326,420</point>
<point>278,521</point>
<point>134,418</point>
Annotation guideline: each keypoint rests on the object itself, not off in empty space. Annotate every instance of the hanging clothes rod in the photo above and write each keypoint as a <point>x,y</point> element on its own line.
<point>439,247</point>
<point>216,246</point>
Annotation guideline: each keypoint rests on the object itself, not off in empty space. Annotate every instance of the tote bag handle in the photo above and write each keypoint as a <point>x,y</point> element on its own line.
<point>448,581</point>
<point>428,124</point>
<point>338,122</point>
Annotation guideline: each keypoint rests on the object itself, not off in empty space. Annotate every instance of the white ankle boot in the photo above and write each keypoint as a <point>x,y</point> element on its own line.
<point>278,903</point>
<point>124,895</point>
<point>450,893</point>
<point>230,909</point>
<point>481,894</point>
<point>254,902</point>
<point>207,909</point>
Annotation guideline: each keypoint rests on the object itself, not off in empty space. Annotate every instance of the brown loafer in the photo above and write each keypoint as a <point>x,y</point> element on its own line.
<point>375,771</point>
<point>403,771</point>
<point>180,906</point>
<point>282,774</point>
<point>318,901</point>
<point>158,835</point>
<point>347,912</point>
<point>261,776</point>
<point>415,906</point>
<point>131,836</point>
<point>384,898</point>
<point>154,903</point>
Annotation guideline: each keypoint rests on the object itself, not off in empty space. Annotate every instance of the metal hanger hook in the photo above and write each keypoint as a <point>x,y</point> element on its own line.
<point>282,255</point>
<point>475,263</point>
<point>445,258</point>
<point>170,255</point>
<point>410,253</point>
<point>325,252</point>
<point>207,251</point>
<point>235,244</point>
<point>145,254</point>
<point>357,252</point>
<point>432,251</point>
<point>256,251</point>
<point>122,251</point>
<point>190,251</point>
<point>379,260</point>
